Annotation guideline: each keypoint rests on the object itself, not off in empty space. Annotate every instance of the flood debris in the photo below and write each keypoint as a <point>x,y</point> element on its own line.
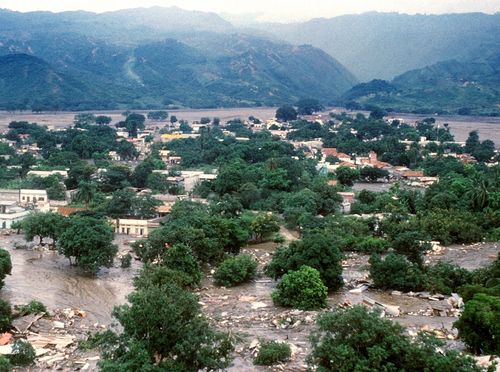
<point>390,310</point>
<point>24,323</point>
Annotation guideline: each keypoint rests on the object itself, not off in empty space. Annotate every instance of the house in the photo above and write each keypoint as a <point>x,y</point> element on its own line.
<point>168,157</point>
<point>122,133</point>
<point>32,196</point>
<point>10,213</point>
<point>413,175</point>
<point>417,178</point>
<point>332,151</point>
<point>346,196</point>
<point>347,200</point>
<point>164,209</point>
<point>44,174</point>
<point>114,156</point>
<point>135,227</point>
<point>372,161</point>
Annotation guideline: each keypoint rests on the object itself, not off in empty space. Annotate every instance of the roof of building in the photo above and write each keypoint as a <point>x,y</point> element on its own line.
<point>67,211</point>
<point>411,173</point>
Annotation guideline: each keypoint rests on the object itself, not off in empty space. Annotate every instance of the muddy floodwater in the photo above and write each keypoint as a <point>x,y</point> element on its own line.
<point>47,276</point>
<point>246,311</point>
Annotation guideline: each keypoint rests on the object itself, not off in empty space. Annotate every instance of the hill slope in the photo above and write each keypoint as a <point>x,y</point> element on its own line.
<point>30,81</point>
<point>149,58</point>
<point>384,45</point>
<point>446,87</point>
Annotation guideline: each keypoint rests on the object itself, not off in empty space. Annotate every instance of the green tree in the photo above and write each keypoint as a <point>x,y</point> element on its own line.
<point>472,142</point>
<point>372,174</point>
<point>158,115</point>
<point>23,354</point>
<point>302,289</point>
<point>396,272</point>
<point>185,127</point>
<point>318,250</point>
<point>479,324</point>
<point>346,175</point>
<point>126,150</point>
<point>43,225</point>
<point>86,193</point>
<point>412,245</point>
<point>308,106</point>
<point>168,324</point>
<point>157,182</point>
<point>286,113</point>
<point>357,339</point>
<point>90,241</point>
<point>5,266</point>
<point>180,257</point>
<point>273,352</point>
<point>263,226</point>
<point>102,119</point>
<point>5,316</point>
<point>235,270</point>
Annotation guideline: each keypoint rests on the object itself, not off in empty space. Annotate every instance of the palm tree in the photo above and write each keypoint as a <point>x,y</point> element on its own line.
<point>86,193</point>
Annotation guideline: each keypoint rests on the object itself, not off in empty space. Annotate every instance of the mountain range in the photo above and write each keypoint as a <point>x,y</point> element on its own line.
<point>384,45</point>
<point>151,58</point>
<point>164,57</point>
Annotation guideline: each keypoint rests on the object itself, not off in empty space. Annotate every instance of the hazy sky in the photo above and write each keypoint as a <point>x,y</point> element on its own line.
<point>284,10</point>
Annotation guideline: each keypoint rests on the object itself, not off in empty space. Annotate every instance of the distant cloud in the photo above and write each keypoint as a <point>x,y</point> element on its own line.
<point>275,10</point>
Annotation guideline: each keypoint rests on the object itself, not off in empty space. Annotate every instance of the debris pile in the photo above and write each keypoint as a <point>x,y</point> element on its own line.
<point>54,337</point>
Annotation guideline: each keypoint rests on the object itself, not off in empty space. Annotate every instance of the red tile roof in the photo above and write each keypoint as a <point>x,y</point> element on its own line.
<point>66,211</point>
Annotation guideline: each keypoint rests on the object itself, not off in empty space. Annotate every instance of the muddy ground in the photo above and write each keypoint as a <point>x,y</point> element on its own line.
<point>460,126</point>
<point>246,311</point>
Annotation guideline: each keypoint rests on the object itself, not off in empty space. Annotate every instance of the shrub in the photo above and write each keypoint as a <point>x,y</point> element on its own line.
<point>468,291</point>
<point>318,250</point>
<point>396,272</point>
<point>5,265</point>
<point>181,258</point>
<point>159,276</point>
<point>126,261</point>
<point>357,339</point>
<point>5,365</point>
<point>273,352</point>
<point>444,277</point>
<point>5,316</point>
<point>409,243</point>
<point>23,354</point>
<point>33,307</point>
<point>371,245</point>
<point>302,289</point>
<point>235,270</point>
<point>479,324</point>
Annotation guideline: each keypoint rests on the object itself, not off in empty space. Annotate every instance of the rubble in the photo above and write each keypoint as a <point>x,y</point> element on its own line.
<point>24,323</point>
<point>5,338</point>
<point>390,310</point>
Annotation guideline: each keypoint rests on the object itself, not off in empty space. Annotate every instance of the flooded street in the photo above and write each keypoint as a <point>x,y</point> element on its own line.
<point>47,277</point>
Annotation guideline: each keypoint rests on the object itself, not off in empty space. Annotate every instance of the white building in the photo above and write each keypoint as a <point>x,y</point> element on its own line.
<point>10,213</point>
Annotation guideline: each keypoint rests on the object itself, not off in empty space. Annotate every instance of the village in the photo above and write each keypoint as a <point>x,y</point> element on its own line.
<point>360,189</point>
<point>16,204</point>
